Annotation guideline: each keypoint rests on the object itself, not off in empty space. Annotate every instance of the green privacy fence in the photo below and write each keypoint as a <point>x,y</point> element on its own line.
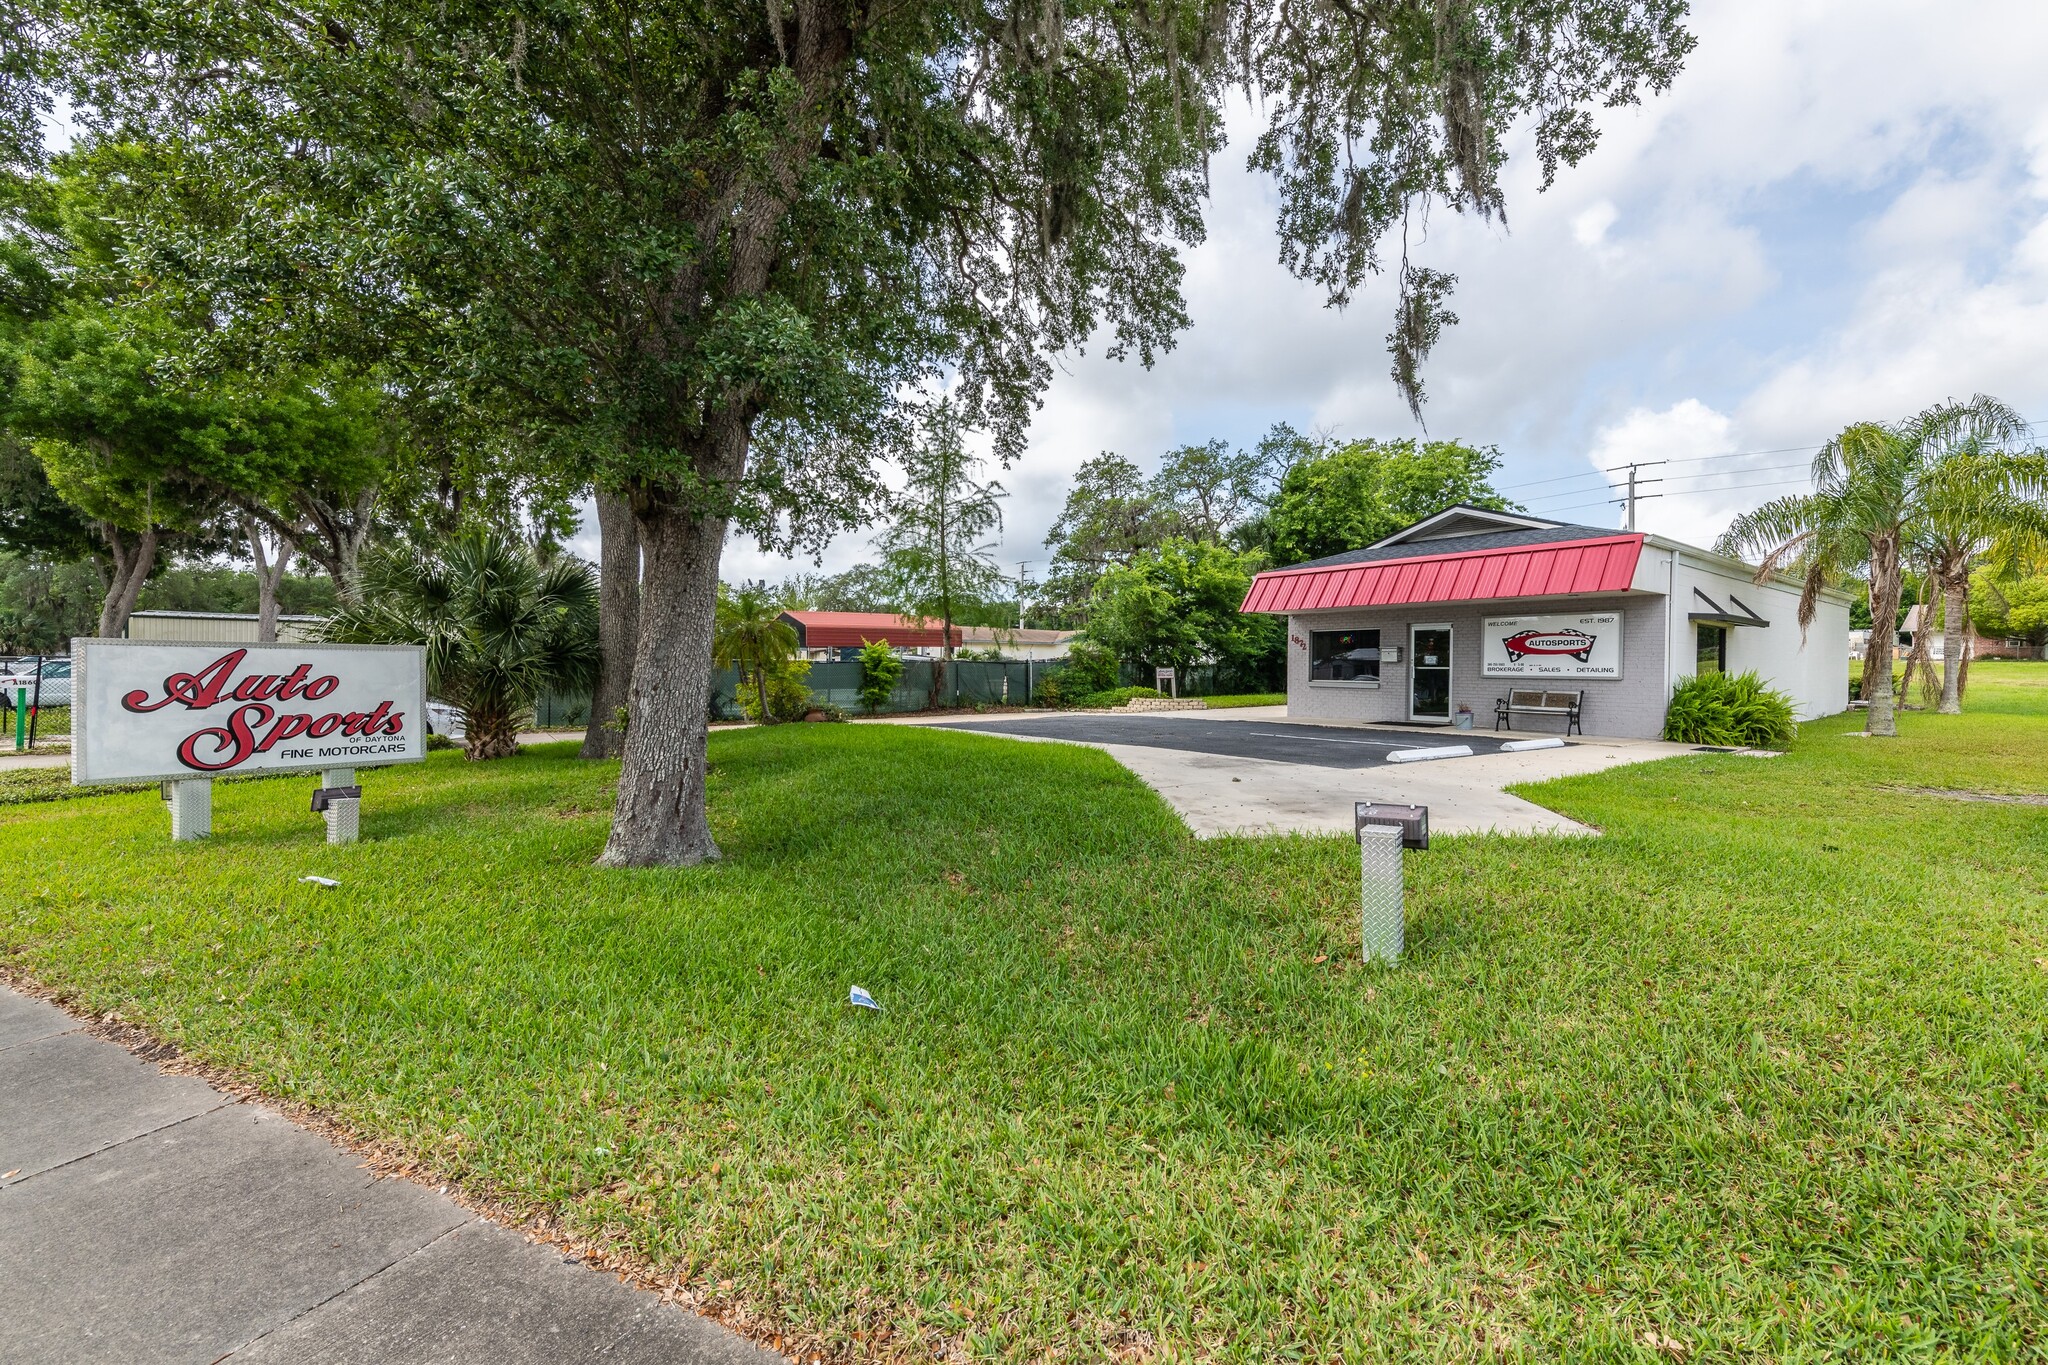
<point>961,683</point>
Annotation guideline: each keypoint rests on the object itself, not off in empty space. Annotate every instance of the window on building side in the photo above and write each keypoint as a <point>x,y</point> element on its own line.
<point>1713,649</point>
<point>1344,655</point>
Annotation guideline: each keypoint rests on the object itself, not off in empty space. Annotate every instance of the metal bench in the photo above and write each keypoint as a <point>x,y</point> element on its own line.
<point>1539,703</point>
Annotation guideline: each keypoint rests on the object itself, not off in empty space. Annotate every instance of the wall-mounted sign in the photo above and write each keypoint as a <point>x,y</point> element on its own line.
<point>1586,645</point>
<point>149,709</point>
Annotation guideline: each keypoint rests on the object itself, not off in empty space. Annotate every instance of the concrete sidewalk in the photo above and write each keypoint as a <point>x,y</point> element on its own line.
<point>149,1217</point>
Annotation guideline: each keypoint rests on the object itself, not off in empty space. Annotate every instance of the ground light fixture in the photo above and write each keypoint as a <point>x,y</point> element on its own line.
<point>340,801</point>
<point>1384,829</point>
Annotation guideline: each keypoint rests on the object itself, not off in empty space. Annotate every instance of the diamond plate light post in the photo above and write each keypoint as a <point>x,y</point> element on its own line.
<point>340,801</point>
<point>1383,831</point>
<point>191,805</point>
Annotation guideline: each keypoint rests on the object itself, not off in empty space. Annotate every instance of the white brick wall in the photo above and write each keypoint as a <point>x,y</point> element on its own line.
<point>1631,706</point>
<point>1813,666</point>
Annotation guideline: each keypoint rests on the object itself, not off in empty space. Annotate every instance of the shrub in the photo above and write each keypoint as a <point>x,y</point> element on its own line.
<point>879,670</point>
<point>1734,712</point>
<point>789,692</point>
<point>1115,696</point>
<point>1090,668</point>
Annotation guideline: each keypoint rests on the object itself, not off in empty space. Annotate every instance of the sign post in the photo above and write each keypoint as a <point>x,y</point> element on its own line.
<point>183,712</point>
<point>1166,681</point>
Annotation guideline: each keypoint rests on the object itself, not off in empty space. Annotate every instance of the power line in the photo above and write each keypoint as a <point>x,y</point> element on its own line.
<point>1688,478</point>
<point>1611,502</point>
<point>2029,424</point>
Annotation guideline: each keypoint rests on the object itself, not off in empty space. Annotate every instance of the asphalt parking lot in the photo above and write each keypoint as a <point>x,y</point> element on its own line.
<point>1322,746</point>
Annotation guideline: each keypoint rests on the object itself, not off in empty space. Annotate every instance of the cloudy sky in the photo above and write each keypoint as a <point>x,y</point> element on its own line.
<point>1840,211</point>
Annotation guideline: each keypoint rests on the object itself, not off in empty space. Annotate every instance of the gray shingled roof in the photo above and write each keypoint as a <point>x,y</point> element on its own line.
<point>1454,545</point>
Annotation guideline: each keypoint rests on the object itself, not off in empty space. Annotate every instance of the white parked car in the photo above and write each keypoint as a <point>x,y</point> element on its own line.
<point>443,719</point>
<point>21,673</point>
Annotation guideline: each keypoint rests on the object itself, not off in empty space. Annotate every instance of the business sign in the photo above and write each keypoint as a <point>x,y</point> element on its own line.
<point>147,709</point>
<point>1584,645</point>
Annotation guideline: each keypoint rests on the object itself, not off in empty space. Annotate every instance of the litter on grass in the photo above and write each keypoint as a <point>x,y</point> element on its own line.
<point>327,882</point>
<point>857,996</point>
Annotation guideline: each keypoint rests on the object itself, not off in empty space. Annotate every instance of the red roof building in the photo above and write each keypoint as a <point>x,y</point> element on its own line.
<point>1475,616</point>
<point>835,630</point>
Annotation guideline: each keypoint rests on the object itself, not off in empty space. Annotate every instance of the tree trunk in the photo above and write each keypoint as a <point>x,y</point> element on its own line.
<point>1952,619</point>
<point>269,574</point>
<point>133,563</point>
<point>618,623</point>
<point>1877,655</point>
<point>336,535</point>
<point>490,733</point>
<point>1884,621</point>
<point>659,818</point>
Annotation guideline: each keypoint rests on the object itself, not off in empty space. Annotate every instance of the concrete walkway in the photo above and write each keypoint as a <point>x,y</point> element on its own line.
<point>40,758</point>
<point>149,1217</point>
<point>1222,794</point>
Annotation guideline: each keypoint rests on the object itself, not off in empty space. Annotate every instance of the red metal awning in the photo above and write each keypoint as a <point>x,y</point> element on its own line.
<point>1606,564</point>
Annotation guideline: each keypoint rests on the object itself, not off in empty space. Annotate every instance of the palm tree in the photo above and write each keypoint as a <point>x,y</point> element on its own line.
<point>1976,502</point>
<point>501,627</point>
<point>749,633</point>
<point>1871,483</point>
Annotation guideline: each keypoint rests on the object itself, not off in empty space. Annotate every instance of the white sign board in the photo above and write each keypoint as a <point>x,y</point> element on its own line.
<point>1565,645</point>
<point>151,709</point>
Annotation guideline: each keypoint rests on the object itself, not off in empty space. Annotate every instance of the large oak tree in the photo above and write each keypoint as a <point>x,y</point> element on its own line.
<point>709,247</point>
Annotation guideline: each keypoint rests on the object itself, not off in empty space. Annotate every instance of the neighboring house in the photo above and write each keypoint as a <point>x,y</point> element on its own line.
<point>835,636</point>
<point>1017,643</point>
<point>1975,646</point>
<point>1457,610</point>
<point>210,627</point>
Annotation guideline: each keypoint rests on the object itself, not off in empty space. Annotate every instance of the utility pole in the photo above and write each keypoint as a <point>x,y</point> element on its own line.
<point>1023,569</point>
<point>1632,497</point>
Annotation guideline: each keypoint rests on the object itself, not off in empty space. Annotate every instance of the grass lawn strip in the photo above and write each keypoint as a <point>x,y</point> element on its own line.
<point>1760,1073</point>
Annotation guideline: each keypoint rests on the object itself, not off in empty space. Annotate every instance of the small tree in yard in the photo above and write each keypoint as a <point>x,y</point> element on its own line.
<point>715,249</point>
<point>933,551</point>
<point>1178,606</point>
<point>500,627</point>
<point>752,637</point>
<point>879,670</point>
<point>1976,501</point>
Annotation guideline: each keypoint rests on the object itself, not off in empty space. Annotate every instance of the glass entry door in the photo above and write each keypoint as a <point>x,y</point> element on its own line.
<point>1429,673</point>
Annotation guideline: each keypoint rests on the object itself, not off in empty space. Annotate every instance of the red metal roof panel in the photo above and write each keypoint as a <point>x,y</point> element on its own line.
<point>1577,567</point>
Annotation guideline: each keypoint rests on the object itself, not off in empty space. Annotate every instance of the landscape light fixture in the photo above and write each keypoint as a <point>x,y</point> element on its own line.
<point>1383,830</point>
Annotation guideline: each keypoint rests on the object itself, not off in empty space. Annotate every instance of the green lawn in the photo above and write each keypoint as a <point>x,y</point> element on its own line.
<point>1762,1074</point>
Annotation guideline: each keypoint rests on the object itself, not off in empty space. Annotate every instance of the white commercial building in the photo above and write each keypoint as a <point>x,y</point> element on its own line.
<point>1471,610</point>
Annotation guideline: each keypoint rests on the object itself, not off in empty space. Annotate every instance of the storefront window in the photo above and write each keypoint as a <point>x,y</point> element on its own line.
<point>1344,655</point>
<point>1713,649</point>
